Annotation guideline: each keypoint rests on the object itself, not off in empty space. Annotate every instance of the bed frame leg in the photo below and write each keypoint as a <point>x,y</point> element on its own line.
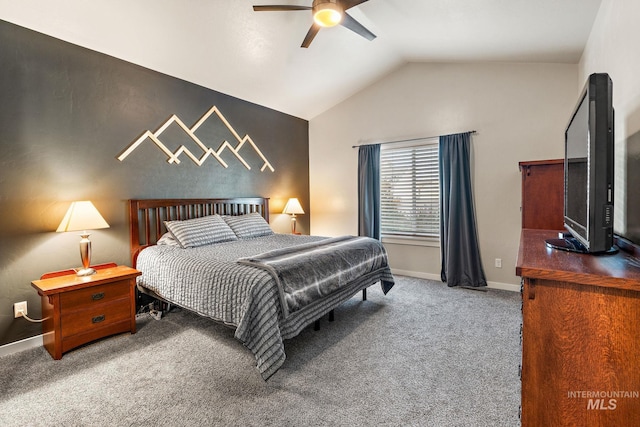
<point>331,316</point>
<point>364,294</point>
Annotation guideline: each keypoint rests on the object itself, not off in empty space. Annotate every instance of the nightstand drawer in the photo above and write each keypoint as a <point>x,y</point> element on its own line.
<point>95,317</point>
<point>95,295</point>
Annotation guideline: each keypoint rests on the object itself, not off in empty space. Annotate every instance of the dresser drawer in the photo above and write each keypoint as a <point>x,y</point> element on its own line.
<point>95,317</point>
<point>95,295</point>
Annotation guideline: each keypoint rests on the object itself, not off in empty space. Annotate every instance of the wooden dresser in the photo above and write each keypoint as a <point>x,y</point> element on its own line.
<point>78,310</point>
<point>580,336</point>
<point>542,194</point>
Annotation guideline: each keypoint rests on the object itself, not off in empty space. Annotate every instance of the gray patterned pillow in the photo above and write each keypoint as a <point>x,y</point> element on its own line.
<point>248,226</point>
<point>200,231</point>
<point>167,239</point>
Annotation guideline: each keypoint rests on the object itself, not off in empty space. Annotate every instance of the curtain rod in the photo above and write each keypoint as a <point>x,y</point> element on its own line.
<point>410,140</point>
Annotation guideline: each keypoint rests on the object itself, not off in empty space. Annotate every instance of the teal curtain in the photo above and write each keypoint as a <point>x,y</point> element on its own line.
<point>459,249</point>
<point>369,191</point>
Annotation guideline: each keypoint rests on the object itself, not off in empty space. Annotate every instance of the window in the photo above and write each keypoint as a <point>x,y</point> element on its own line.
<point>410,189</point>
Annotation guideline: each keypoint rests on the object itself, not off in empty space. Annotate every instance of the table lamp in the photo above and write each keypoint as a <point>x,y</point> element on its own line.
<point>293,208</point>
<point>82,216</point>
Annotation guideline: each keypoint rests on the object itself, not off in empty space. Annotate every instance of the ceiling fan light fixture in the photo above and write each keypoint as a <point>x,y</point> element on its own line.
<point>327,13</point>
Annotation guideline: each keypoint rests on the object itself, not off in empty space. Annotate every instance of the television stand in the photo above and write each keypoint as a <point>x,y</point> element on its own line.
<point>571,244</point>
<point>580,335</point>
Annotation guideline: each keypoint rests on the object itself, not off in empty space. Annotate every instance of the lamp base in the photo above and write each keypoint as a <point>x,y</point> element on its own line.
<point>85,255</point>
<point>85,272</point>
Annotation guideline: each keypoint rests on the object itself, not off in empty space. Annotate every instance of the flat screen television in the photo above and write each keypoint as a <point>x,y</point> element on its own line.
<point>589,171</point>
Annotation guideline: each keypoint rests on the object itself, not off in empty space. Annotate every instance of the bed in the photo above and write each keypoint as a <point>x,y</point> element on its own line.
<point>219,258</point>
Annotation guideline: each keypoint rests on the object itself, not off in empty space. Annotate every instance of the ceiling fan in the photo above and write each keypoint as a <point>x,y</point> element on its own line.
<point>326,13</point>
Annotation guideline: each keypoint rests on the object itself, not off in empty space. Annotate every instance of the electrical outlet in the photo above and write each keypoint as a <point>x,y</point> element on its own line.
<point>19,308</point>
<point>498,262</point>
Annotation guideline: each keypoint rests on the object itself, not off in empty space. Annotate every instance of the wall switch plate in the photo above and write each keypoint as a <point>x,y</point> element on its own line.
<point>19,308</point>
<point>498,262</point>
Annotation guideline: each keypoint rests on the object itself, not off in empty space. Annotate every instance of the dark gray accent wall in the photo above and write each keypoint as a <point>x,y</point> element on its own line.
<point>67,112</point>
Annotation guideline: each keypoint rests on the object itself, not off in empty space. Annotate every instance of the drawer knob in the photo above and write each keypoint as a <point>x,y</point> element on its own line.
<point>98,319</point>
<point>98,296</point>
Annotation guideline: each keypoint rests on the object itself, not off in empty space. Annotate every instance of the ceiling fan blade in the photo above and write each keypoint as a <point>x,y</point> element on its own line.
<point>279,8</point>
<point>310,35</point>
<point>356,27</point>
<point>348,4</point>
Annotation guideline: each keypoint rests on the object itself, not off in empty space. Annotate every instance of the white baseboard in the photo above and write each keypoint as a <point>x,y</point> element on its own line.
<point>418,274</point>
<point>17,346</point>
<point>421,275</point>
<point>504,286</point>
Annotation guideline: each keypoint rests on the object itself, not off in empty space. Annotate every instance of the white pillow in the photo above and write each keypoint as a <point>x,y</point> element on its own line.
<point>249,225</point>
<point>200,231</point>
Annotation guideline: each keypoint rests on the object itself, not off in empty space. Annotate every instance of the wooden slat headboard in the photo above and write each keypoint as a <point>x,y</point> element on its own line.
<point>147,216</point>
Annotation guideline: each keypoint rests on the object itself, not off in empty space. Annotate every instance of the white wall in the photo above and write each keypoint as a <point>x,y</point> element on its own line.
<point>519,111</point>
<point>613,48</point>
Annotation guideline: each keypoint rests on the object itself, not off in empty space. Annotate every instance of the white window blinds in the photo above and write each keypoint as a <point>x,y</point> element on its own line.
<point>410,190</point>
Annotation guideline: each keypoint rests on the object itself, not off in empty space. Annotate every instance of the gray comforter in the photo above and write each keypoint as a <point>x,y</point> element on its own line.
<point>210,281</point>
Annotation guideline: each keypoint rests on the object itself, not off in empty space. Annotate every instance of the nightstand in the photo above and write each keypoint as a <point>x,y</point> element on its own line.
<point>78,310</point>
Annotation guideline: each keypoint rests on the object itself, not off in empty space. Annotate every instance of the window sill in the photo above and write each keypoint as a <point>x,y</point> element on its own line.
<point>412,241</point>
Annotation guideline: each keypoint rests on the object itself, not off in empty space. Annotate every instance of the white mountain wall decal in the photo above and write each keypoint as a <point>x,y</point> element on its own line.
<point>174,156</point>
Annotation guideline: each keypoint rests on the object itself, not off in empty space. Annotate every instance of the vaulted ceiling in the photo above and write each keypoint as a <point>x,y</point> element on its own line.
<point>226,46</point>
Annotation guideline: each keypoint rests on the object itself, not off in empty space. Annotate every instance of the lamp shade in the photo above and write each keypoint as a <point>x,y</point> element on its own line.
<point>82,216</point>
<point>293,207</point>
